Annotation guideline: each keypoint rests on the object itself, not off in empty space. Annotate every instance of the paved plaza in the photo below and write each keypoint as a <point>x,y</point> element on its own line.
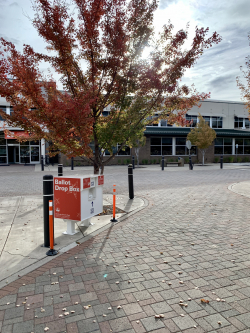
<point>180,264</point>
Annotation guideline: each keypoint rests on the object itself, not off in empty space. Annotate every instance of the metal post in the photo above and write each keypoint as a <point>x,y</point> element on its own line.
<point>114,197</point>
<point>130,181</point>
<point>133,161</point>
<point>60,170</point>
<point>72,163</point>
<point>162,163</point>
<point>47,196</point>
<point>190,163</point>
<point>42,164</point>
<point>51,251</point>
<point>221,162</point>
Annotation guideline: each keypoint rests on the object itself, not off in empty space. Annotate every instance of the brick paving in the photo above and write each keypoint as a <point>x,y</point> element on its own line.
<point>190,243</point>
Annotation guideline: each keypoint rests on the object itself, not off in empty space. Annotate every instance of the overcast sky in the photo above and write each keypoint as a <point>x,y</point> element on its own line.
<point>214,72</point>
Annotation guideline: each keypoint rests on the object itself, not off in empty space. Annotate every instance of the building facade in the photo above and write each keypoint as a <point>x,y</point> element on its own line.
<point>229,119</point>
<point>12,151</point>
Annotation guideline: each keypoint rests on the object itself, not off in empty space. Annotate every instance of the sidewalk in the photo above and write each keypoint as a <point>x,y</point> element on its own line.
<point>179,265</point>
<point>22,233</point>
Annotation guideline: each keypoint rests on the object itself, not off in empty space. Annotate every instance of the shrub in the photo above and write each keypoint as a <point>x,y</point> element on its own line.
<point>171,160</point>
<point>159,161</point>
<point>119,161</point>
<point>231,159</point>
<point>246,159</point>
<point>154,161</point>
<point>238,159</point>
<point>146,161</point>
<point>216,159</point>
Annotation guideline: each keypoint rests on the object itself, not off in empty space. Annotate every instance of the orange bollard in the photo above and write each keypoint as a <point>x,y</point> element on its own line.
<point>51,251</point>
<point>114,194</point>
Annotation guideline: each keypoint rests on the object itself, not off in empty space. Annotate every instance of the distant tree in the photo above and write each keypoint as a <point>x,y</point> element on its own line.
<point>245,88</point>
<point>98,54</point>
<point>202,136</point>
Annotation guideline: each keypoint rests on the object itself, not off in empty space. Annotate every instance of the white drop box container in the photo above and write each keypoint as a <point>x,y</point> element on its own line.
<point>78,198</point>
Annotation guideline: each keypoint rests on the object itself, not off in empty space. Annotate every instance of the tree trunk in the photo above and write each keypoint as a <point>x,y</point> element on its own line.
<point>97,156</point>
<point>203,156</point>
<point>137,155</point>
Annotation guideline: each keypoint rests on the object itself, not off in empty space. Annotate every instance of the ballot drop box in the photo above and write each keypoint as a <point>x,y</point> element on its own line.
<point>78,198</point>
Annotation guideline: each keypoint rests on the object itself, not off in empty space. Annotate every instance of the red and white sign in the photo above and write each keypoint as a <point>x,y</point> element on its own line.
<point>14,134</point>
<point>67,198</point>
<point>100,180</point>
<point>86,182</point>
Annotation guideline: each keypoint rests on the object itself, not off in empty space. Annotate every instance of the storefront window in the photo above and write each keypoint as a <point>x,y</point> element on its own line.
<point>161,146</point>
<point>25,154</point>
<point>223,146</point>
<point>34,154</point>
<point>181,148</point>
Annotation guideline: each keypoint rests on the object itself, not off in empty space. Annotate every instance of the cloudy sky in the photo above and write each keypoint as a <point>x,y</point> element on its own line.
<point>214,72</point>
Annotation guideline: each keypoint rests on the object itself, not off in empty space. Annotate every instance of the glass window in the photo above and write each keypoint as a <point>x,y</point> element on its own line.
<point>11,111</point>
<point>34,143</point>
<point>246,142</point>
<point>25,154</point>
<point>218,150</point>
<point>2,141</point>
<point>3,159</point>
<point>246,149</point>
<point>239,141</point>
<point>247,123</point>
<point>3,151</point>
<point>216,122</point>
<point>181,141</point>
<point>3,108</point>
<point>207,120</point>
<point>166,150</point>
<point>192,118</point>
<point>155,150</point>
<point>155,141</point>
<point>180,150</point>
<point>228,141</point>
<point>123,152</point>
<point>167,141</point>
<point>223,146</point>
<point>35,154</point>
<point>218,141</point>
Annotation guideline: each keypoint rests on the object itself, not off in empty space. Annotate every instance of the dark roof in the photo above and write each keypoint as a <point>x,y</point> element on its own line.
<point>183,131</point>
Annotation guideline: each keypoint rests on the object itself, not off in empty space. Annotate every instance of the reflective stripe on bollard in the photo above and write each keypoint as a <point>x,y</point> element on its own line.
<point>51,251</point>
<point>114,195</point>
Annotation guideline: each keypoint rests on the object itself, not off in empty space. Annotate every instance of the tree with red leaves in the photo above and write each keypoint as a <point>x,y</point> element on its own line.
<point>98,54</point>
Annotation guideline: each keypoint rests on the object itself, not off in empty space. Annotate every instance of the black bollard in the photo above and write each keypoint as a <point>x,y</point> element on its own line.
<point>133,161</point>
<point>47,196</point>
<point>60,170</point>
<point>72,163</point>
<point>42,164</point>
<point>221,162</point>
<point>130,181</point>
<point>190,163</point>
<point>162,163</point>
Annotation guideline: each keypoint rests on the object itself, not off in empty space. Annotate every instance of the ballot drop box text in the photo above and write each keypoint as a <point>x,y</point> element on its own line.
<point>78,198</point>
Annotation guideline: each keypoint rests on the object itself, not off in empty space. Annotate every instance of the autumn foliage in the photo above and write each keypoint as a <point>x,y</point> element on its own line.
<point>97,51</point>
<point>202,136</point>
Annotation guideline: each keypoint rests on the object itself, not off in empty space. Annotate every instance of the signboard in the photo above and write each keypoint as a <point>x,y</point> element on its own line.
<point>67,198</point>
<point>14,134</point>
<point>100,180</point>
<point>188,144</point>
<point>86,183</point>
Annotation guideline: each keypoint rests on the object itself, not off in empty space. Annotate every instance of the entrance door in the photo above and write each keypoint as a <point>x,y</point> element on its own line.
<point>13,154</point>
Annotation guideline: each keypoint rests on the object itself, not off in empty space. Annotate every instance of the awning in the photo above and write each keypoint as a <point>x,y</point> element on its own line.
<point>14,134</point>
<point>241,115</point>
<point>195,113</point>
